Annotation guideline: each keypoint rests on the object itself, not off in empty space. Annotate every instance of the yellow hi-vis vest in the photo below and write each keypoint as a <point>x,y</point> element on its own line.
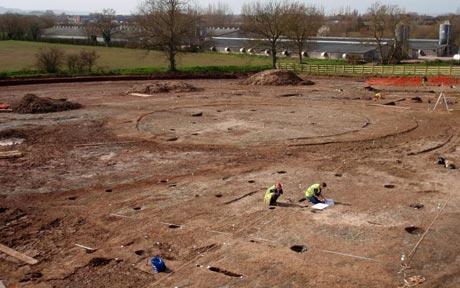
<point>269,194</point>
<point>313,190</point>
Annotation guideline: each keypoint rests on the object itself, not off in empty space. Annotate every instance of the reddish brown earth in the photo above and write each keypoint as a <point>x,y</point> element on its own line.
<point>117,173</point>
<point>414,81</point>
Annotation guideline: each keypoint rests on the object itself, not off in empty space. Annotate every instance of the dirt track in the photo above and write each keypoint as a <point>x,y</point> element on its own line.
<point>137,177</point>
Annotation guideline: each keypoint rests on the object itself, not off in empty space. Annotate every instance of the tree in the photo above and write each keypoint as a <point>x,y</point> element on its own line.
<point>167,25</point>
<point>73,63</point>
<point>91,31</point>
<point>19,27</point>
<point>384,19</point>
<point>36,24</point>
<point>13,26</point>
<point>303,23</point>
<point>454,20</point>
<point>218,15</point>
<point>106,24</point>
<point>348,21</point>
<point>268,19</point>
<point>50,59</point>
<point>34,30</point>
<point>88,59</point>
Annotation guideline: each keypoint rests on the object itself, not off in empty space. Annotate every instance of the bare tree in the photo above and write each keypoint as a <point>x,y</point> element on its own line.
<point>20,27</point>
<point>303,23</point>
<point>88,59</point>
<point>13,26</point>
<point>49,59</point>
<point>454,20</point>
<point>91,31</point>
<point>167,25</point>
<point>218,15</point>
<point>268,19</point>
<point>347,22</point>
<point>384,20</point>
<point>35,25</point>
<point>106,24</point>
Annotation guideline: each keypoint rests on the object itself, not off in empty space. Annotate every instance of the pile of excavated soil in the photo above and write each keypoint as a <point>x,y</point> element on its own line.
<point>276,78</point>
<point>32,104</point>
<point>163,87</point>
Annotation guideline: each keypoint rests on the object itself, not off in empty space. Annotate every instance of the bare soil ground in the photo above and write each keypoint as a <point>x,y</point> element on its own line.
<point>182,175</point>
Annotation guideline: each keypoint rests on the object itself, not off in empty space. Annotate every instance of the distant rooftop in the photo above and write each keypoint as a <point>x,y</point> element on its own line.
<point>238,39</point>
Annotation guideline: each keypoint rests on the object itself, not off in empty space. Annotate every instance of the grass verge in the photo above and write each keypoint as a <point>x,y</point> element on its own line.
<point>139,71</point>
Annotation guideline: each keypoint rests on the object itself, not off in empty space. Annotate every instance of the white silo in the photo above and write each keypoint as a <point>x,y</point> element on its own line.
<point>444,33</point>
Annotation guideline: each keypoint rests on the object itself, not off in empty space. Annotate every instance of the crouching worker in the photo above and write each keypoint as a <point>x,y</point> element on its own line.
<point>273,193</point>
<point>314,193</point>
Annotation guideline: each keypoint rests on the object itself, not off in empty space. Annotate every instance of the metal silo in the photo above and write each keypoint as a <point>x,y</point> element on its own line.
<point>444,33</point>
<point>402,33</point>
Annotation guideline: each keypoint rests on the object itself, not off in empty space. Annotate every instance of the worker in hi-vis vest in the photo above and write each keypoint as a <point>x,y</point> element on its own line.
<point>314,193</point>
<point>273,193</point>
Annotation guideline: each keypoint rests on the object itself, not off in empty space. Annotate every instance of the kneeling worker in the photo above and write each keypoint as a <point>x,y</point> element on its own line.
<point>272,194</point>
<point>314,193</point>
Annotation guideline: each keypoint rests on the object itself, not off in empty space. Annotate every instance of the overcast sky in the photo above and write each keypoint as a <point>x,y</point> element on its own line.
<point>432,7</point>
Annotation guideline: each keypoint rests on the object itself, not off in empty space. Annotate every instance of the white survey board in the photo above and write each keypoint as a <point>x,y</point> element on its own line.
<point>321,206</point>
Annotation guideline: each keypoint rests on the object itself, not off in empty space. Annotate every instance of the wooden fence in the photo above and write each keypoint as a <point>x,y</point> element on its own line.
<point>363,70</point>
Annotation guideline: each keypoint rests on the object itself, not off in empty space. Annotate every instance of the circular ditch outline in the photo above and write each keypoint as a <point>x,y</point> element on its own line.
<point>433,148</point>
<point>366,124</point>
<point>394,134</point>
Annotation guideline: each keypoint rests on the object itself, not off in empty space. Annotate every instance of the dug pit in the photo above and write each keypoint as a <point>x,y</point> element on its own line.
<point>299,248</point>
<point>414,230</point>
<point>99,261</point>
<point>417,205</point>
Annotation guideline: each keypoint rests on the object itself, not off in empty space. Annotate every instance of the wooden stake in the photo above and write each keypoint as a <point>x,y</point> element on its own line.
<point>18,255</point>
<point>389,106</point>
<point>86,248</point>
<point>11,154</point>
<point>141,95</point>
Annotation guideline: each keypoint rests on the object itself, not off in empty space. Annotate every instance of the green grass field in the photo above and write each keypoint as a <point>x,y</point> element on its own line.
<point>20,55</point>
<point>17,59</point>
